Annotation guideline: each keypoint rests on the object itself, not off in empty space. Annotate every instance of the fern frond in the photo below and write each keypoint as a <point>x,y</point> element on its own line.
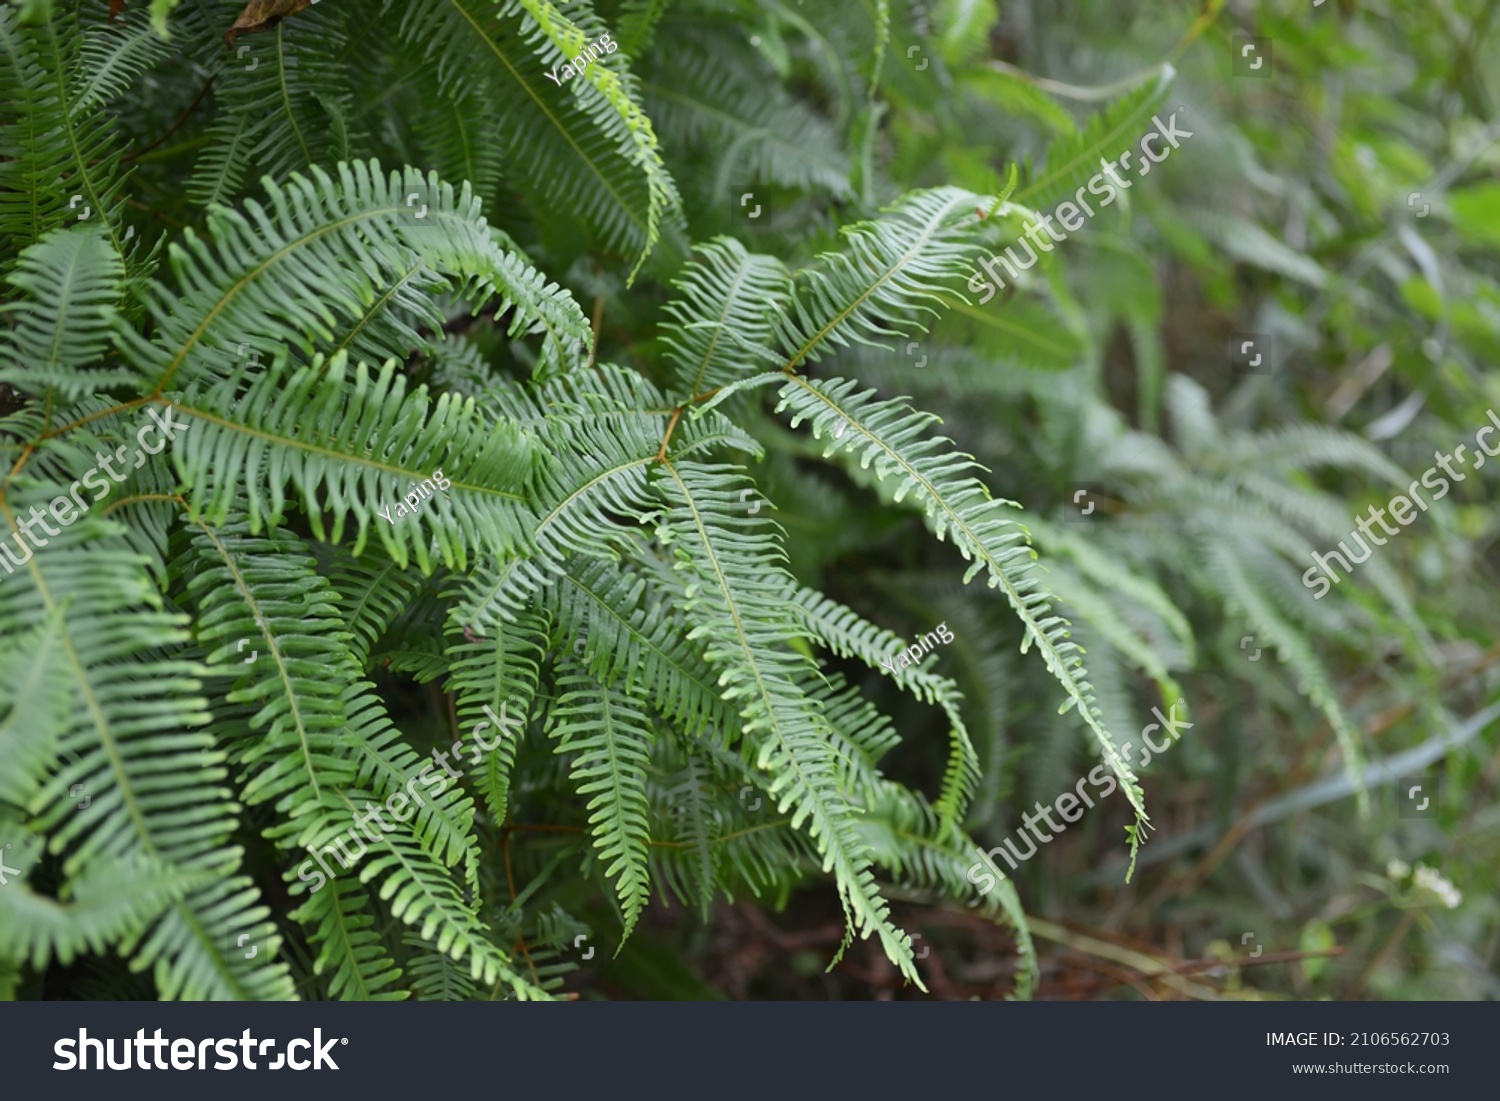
<point>155,786</point>
<point>715,96</point>
<point>892,271</point>
<point>435,978</point>
<point>265,592</point>
<point>638,20</point>
<point>113,56</point>
<point>418,891</point>
<point>361,447</point>
<point>694,826</point>
<point>722,323</point>
<point>1016,96</point>
<point>861,734</point>
<point>889,435</point>
<point>592,490</point>
<point>263,279</point>
<point>62,162</point>
<point>629,125</point>
<point>910,839</point>
<point>611,735</point>
<point>847,634</point>
<point>371,593</point>
<point>341,924</point>
<point>443,820</point>
<point>1293,647</point>
<point>723,843</point>
<point>1074,158</point>
<point>632,637</point>
<point>282,104</point>
<point>70,282</point>
<point>595,475</point>
<point>1301,446</point>
<point>108,901</point>
<point>495,679</point>
<point>1114,578</point>
<point>1107,617</point>
<point>465,146</point>
<point>731,566</point>
<point>1023,330</point>
<point>589,146</point>
<point>35,698</point>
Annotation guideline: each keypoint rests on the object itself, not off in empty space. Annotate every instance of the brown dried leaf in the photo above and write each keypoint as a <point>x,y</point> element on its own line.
<point>262,15</point>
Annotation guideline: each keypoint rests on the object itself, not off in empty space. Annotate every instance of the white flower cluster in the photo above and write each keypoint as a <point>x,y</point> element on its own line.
<point>1430,880</point>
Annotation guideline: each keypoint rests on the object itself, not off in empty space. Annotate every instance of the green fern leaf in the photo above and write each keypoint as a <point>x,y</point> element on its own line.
<point>889,435</point>
<point>611,735</point>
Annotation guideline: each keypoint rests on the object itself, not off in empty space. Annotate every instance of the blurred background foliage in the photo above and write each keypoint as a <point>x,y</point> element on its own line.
<point>1345,204</point>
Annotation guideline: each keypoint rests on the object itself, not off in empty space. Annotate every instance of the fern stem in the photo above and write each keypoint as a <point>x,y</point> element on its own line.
<point>107,509</point>
<point>667,438</point>
<point>132,154</point>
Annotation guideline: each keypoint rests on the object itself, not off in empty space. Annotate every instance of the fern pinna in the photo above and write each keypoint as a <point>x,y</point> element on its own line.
<point>217,655</point>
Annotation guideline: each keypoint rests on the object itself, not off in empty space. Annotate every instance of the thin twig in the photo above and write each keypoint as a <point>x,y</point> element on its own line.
<point>182,118</point>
